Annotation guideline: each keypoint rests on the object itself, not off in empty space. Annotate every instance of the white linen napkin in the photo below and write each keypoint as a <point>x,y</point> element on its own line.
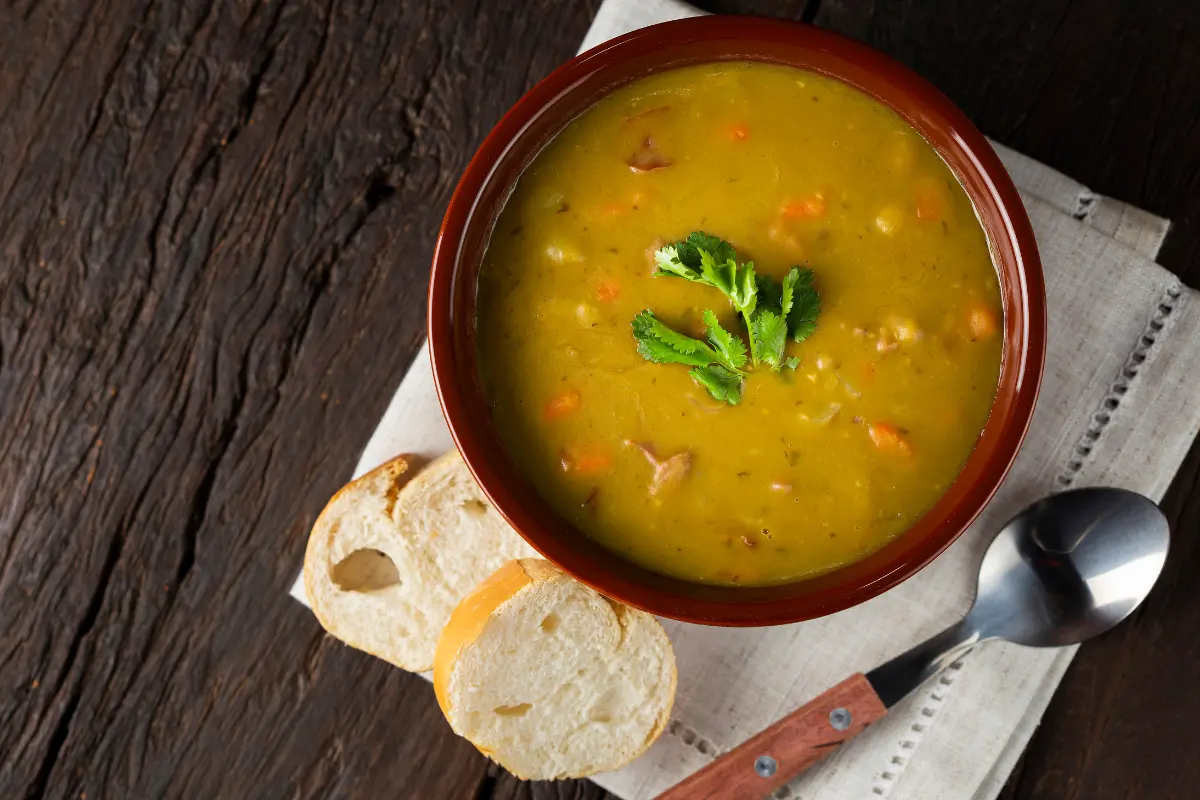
<point>1118,407</point>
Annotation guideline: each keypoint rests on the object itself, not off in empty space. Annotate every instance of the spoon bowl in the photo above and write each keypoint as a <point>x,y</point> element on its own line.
<point>1069,567</point>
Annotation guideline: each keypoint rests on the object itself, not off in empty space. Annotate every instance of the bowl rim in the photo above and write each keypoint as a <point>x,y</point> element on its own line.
<point>1025,331</point>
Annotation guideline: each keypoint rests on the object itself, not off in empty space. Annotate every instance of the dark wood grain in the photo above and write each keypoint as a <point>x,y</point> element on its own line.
<point>215,226</point>
<point>217,222</point>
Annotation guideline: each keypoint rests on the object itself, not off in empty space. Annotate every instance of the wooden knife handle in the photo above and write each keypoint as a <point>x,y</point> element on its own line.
<point>787,748</point>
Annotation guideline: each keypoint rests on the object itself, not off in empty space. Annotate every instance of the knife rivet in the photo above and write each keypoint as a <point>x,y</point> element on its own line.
<point>765,766</point>
<point>840,719</point>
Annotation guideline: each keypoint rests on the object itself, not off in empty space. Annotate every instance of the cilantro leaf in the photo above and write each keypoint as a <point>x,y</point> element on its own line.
<point>712,261</point>
<point>668,262</point>
<point>729,348</point>
<point>736,281</point>
<point>689,249</point>
<point>745,289</point>
<point>768,323</point>
<point>765,306</point>
<point>715,370</point>
<point>789,291</point>
<point>768,333</point>
<point>768,292</point>
<point>720,274</point>
<point>792,362</point>
<point>723,384</point>
<point>660,344</point>
<point>804,309</point>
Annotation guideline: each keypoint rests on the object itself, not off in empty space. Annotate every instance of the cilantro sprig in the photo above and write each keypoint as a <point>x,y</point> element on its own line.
<point>716,364</point>
<point>770,311</point>
<point>802,303</point>
<point>708,260</point>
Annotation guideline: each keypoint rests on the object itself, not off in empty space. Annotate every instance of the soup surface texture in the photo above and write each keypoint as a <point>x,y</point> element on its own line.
<point>816,466</point>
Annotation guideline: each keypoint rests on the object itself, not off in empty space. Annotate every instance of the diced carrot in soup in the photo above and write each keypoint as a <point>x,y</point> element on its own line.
<point>562,404</point>
<point>586,459</point>
<point>739,132</point>
<point>809,207</point>
<point>608,290</point>
<point>888,438</point>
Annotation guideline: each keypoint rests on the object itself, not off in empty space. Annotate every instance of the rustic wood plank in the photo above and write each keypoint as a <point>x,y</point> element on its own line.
<point>215,226</point>
<point>217,221</point>
<point>506,787</point>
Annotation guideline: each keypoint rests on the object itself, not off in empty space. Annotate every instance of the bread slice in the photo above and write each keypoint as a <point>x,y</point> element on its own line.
<point>389,558</point>
<point>551,679</point>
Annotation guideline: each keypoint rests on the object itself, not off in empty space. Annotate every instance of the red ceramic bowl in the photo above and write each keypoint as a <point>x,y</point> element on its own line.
<point>542,113</point>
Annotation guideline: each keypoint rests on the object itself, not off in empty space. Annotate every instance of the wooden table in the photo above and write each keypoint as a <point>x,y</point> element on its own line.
<point>215,226</point>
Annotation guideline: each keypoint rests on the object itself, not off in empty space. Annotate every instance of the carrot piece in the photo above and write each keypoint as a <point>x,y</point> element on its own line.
<point>561,405</point>
<point>739,132</point>
<point>592,463</point>
<point>808,207</point>
<point>586,459</point>
<point>608,290</point>
<point>931,203</point>
<point>982,321</point>
<point>888,437</point>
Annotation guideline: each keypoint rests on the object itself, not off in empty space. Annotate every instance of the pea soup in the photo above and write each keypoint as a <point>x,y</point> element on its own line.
<point>819,444</point>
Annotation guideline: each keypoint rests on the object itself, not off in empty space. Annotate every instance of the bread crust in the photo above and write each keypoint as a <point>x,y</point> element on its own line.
<point>501,593</point>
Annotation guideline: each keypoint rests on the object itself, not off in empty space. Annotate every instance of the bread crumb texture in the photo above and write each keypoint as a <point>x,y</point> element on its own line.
<point>557,681</point>
<point>394,551</point>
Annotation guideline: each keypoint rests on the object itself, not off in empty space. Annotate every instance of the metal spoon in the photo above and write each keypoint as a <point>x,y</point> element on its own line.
<point>1066,569</point>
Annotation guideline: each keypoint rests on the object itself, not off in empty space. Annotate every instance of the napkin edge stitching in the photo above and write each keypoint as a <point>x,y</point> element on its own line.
<point>1155,331</point>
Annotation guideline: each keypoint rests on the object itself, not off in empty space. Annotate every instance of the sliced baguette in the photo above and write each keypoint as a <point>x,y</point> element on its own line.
<point>551,679</point>
<point>392,554</point>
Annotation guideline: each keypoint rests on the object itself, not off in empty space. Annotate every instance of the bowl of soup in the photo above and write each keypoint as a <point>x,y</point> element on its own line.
<point>737,321</point>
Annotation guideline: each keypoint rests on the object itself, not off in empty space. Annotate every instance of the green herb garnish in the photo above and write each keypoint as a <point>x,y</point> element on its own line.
<point>730,347</point>
<point>768,334</point>
<point>717,365</point>
<point>770,312</point>
<point>722,384</point>
<point>802,303</point>
<point>708,260</point>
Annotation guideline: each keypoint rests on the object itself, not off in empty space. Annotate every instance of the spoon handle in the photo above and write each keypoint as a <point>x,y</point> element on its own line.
<point>781,752</point>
